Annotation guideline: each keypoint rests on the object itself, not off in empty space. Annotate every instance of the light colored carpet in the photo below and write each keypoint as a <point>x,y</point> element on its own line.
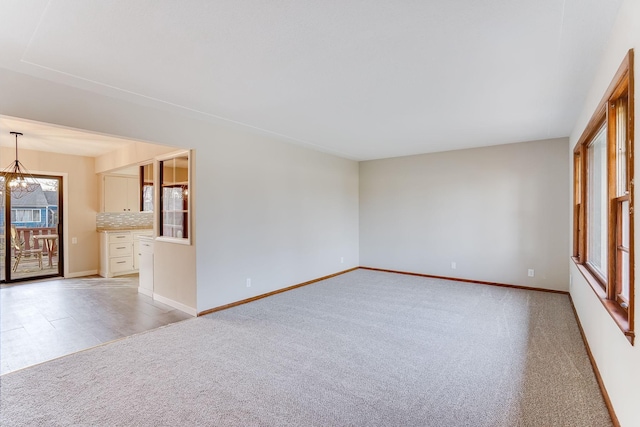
<point>362,349</point>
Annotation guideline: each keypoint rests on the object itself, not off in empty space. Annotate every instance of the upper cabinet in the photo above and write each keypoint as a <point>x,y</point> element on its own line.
<point>121,193</point>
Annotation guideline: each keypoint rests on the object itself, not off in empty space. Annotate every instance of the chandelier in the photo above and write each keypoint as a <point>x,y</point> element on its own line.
<point>17,179</point>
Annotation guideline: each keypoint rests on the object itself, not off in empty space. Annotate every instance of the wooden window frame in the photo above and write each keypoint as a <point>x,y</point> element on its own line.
<point>598,274</point>
<point>620,310</point>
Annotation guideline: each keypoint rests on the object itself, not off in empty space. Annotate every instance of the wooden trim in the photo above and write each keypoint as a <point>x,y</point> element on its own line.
<point>596,371</point>
<point>600,114</point>
<point>612,190</point>
<point>478,282</point>
<point>583,205</point>
<point>593,271</point>
<point>599,125</point>
<point>620,248</point>
<point>622,84</point>
<point>584,201</point>
<point>625,68</point>
<point>268,294</point>
<point>578,202</point>
<point>596,122</point>
<point>618,314</point>
<point>630,176</point>
<point>621,88</point>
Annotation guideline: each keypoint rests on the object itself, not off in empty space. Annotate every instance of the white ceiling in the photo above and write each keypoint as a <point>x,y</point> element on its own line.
<point>365,80</point>
<point>48,138</point>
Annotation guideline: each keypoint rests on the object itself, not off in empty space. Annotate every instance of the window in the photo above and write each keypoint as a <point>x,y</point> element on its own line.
<point>146,188</point>
<point>174,197</point>
<point>597,204</point>
<point>25,215</point>
<point>603,200</point>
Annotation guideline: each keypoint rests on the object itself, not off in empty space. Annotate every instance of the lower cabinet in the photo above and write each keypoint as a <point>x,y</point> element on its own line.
<point>119,252</point>
<point>146,265</point>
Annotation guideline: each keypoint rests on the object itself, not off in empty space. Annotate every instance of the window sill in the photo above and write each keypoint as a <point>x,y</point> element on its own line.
<point>615,311</point>
<point>176,240</point>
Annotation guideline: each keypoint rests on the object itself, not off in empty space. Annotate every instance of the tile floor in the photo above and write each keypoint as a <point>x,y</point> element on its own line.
<point>47,319</point>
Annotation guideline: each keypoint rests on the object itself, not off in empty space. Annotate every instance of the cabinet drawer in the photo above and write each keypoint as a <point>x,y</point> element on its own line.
<point>120,249</point>
<point>120,237</point>
<point>119,264</point>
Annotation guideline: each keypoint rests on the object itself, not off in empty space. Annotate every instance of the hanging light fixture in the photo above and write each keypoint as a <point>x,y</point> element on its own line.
<point>17,179</point>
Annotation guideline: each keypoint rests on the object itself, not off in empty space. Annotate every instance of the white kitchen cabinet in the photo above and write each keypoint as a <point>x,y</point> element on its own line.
<point>117,253</point>
<point>136,245</point>
<point>121,193</point>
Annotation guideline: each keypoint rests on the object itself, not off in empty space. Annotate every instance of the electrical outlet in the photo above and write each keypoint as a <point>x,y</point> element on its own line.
<point>341,260</point>
<point>74,240</point>
<point>453,265</point>
<point>248,283</point>
<point>531,272</point>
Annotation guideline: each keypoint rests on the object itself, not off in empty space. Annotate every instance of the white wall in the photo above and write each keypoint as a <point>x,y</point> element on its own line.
<point>266,210</point>
<point>495,211</point>
<point>617,360</point>
<point>285,214</point>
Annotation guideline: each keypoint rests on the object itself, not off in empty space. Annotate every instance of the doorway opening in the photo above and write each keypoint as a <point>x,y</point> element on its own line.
<point>31,245</point>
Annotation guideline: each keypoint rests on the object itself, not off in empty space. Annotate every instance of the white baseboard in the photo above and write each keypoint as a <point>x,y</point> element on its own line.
<point>175,304</point>
<point>146,292</point>
<point>81,274</point>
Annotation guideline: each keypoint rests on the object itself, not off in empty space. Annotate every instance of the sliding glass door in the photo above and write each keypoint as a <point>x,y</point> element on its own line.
<point>31,228</point>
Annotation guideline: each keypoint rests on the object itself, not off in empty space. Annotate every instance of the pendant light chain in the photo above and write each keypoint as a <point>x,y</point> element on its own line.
<point>17,178</point>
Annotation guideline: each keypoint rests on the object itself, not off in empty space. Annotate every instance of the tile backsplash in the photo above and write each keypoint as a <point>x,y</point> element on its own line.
<point>124,220</point>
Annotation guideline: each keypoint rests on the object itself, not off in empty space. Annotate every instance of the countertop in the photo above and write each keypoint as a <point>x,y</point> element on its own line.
<point>115,229</point>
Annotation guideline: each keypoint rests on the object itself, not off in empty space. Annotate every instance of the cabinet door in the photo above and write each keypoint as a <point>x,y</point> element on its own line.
<point>133,192</point>
<point>138,247</point>
<point>121,194</point>
<point>115,194</point>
